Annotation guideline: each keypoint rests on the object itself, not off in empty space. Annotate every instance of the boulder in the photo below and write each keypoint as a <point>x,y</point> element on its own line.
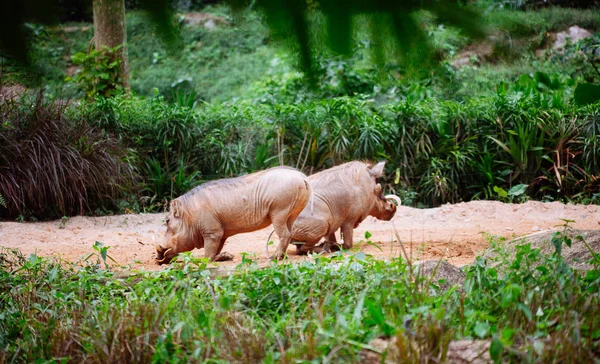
<point>574,33</point>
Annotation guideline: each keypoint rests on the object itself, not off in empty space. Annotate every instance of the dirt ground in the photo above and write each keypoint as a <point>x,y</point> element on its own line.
<point>456,232</point>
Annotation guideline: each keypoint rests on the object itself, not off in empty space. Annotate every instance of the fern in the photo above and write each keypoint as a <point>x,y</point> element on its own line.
<point>2,201</point>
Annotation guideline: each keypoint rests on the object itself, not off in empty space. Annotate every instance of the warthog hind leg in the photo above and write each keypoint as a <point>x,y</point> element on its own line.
<point>285,238</point>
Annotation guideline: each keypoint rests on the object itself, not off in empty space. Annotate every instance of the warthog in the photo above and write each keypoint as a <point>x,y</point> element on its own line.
<point>210,213</point>
<point>343,197</point>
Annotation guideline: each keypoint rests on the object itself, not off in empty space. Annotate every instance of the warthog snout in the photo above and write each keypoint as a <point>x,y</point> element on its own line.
<point>396,200</point>
<point>163,256</point>
<point>387,207</point>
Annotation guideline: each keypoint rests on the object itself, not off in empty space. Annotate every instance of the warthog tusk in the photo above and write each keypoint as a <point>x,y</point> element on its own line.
<point>395,198</point>
<point>164,259</point>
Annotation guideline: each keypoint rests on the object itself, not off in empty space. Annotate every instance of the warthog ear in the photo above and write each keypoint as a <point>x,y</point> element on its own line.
<point>377,170</point>
<point>378,189</point>
<point>175,205</point>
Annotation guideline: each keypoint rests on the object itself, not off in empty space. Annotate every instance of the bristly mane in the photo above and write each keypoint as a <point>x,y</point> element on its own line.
<point>350,168</point>
<point>225,183</point>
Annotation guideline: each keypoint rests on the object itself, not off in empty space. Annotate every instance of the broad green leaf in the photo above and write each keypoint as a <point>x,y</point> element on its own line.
<point>481,329</point>
<point>517,190</point>
<point>500,191</point>
<point>525,311</point>
<point>496,349</point>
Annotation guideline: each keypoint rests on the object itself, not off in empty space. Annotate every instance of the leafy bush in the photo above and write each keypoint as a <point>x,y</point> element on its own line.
<point>444,151</point>
<point>100,73</point>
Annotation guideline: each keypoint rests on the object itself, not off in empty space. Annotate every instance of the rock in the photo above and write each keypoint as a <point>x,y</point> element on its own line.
<point>577,256</point>
<point>446,271</point>
<point>469,351</point>
<point>473,55</point>
<point>210,24</point>
<point>574,33</point>
<point>459,352</point>
<point>206,20</point>
<point>374,356</point>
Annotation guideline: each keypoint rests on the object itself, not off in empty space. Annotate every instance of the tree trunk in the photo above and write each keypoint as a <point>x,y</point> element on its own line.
<point>110,30</point>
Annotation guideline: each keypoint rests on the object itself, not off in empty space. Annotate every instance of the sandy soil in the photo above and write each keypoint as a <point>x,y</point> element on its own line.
<point>455,232</point>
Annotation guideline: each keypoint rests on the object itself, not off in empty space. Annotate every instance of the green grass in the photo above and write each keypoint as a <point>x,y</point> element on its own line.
<point>218,62</point>
<point>536,22</point>
<point>326,309</point>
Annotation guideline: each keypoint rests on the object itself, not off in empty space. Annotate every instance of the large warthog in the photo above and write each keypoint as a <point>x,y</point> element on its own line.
<point>212,212</point>
<point>342,198</point>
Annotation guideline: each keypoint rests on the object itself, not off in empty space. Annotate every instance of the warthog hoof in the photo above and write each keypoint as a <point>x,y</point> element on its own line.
<point>333,247</point>
<point>327,247</point>
<point>222,257</point>
<point>277,256</point>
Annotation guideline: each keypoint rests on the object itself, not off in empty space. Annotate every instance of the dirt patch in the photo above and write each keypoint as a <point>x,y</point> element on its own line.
<point>577,255</point>
<point>474,54</point>
<point>9,92</point>
<point>456,233</point>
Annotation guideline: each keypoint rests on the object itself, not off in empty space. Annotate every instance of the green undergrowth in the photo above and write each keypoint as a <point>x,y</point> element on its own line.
<point>230,101</point>
<point>527,141</point>
<point>321,310</point>
<point>228,61</point>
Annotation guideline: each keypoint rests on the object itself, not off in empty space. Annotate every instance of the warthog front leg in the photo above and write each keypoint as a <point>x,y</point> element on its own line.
<point>221,255</point>
<point>347,231</point>
<point>213,243</point>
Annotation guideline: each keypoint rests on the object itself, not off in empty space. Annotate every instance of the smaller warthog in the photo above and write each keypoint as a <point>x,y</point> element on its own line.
<point>210,213</point>
<point>342,198</point>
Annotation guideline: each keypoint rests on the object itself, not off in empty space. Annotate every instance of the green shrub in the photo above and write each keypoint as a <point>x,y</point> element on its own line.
<point>444,151</point>
<point>100,73</point>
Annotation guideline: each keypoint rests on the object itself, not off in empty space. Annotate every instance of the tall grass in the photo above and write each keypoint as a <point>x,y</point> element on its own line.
<point>53,166</point>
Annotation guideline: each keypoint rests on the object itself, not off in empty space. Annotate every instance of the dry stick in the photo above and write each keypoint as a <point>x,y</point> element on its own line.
<point>212,291</point>
<point>90,44</point>
<point>310,141</point>
<point>267,245</point>
<point>401,245</point>
<point>331,353</point>
<point>279,151</point>
<point>301,150</point>
<point>282,147</point>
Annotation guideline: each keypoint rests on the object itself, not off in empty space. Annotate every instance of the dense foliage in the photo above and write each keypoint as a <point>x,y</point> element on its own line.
<point>500,123</point>
<point>527,135</point>
<point>327,308</point>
